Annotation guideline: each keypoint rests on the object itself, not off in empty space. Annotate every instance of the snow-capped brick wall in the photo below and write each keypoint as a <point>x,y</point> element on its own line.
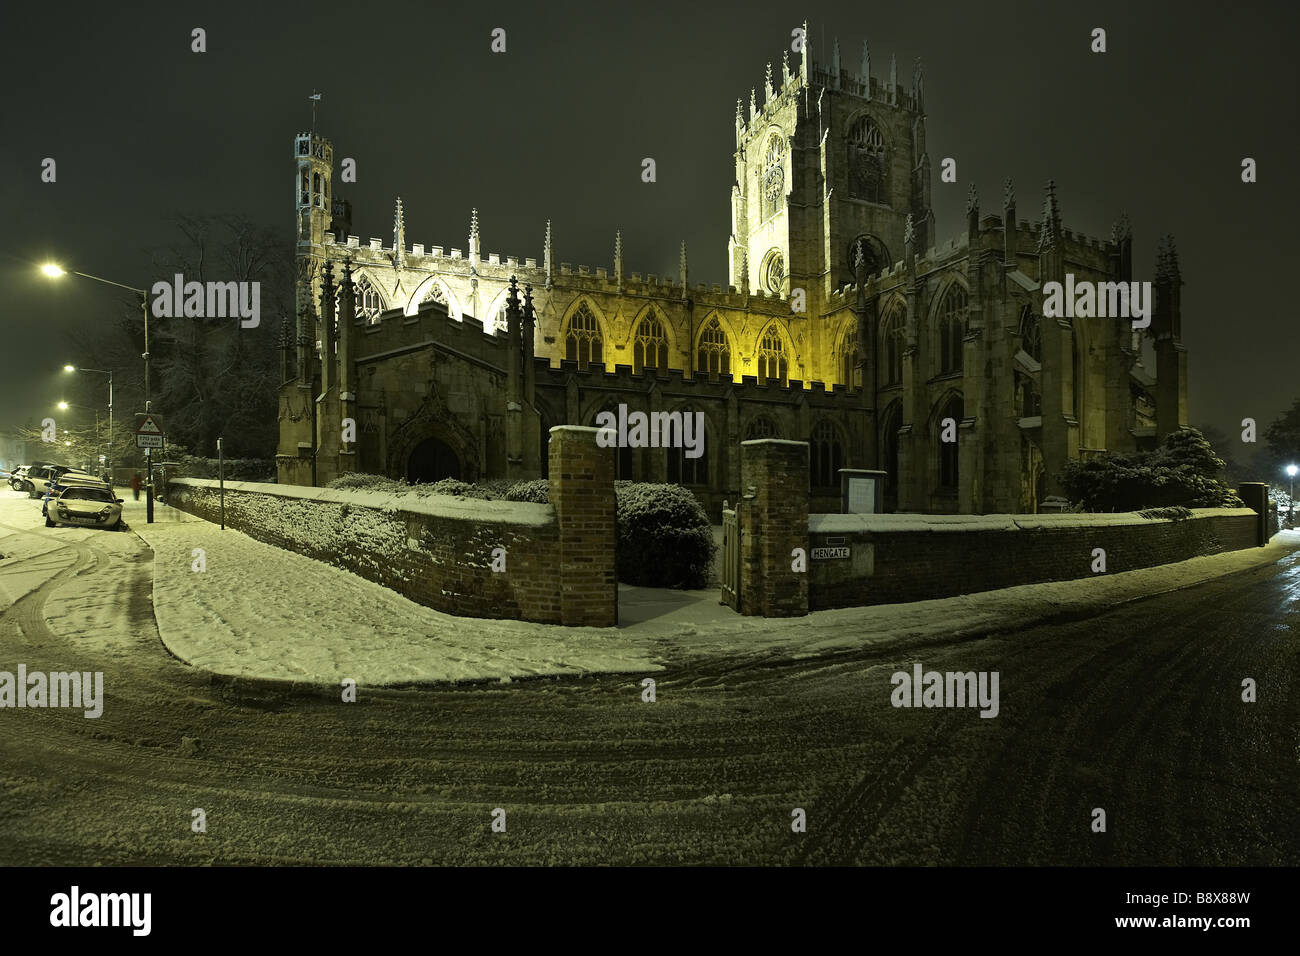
<point>894,558</point>
<point>556,564</point>
<point>773,519</point>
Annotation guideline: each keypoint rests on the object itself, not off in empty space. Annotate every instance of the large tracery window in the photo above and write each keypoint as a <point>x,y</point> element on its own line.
<point>369,303</point>
<point>850,372</point>
<point>583,343</point>
<point>1031,334</point>
<point>948,454</point>
<point>891,346</point>
<point>867,162</point>
<point>684,470</point>
<point>650,346</point>
<point>714,352</point>
<point>952,329</point>
<point>826,456</point>
<point>774,176</point>
<point>771,357</point>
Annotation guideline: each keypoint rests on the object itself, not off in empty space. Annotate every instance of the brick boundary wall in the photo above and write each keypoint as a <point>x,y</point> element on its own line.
<point>897,558</point>
<point>773,519</point>
<point>437,550</point>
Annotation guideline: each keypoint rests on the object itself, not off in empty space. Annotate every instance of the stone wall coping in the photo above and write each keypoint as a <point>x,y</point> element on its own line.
<point>774,441</point>
<point>849,523</point>
<point>590,430</point>
<point>438,506</point>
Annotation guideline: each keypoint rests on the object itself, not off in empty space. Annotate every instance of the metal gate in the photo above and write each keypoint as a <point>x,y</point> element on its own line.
<point>730,560</point>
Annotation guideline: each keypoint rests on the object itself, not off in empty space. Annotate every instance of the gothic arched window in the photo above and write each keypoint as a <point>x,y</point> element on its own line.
<point>774,273</point>
<point>873,258</point>
<point>714,352</point>
<point>948,456</point>
<point>684,470</point>
<point>317,194</point>
<point>867,162</point>
<point>952,329</point>
<point>368,301</point>
<point>622,453</point>
<point>1031,334</point>
<point>761,427</point>
<point>850,372</point>
<point>650,344</point>
<point>891,346</point>
<point>583,342</point>
<point>773,176</point>
<point>825,456</point>
<point>771,357</point>
<point>892,422</point>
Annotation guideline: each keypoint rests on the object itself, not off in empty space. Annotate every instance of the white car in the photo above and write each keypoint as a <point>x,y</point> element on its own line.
<point>86,506</point>
<point>37,480</point>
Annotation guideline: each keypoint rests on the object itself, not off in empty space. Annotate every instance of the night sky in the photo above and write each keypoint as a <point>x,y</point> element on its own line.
<point>143,129</point>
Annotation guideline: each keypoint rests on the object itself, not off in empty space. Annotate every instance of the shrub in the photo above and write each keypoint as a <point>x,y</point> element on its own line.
<point>1184,471</point>
<point>664,536</point>
<point>453,487</point>
<point>359,481</point>
<point>1176,513</point>
<point>538,491</point>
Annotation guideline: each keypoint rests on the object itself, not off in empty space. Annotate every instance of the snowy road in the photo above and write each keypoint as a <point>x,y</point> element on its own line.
<point>1138,712</point>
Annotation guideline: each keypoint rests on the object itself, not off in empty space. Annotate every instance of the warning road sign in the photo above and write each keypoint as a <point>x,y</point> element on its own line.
<point>146,424</point>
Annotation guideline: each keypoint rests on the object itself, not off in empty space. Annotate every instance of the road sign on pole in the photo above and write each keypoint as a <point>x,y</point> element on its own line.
<point>148,431</point>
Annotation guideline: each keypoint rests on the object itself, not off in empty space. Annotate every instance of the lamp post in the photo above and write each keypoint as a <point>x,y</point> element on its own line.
<point>54,272</point>
<point>1290,503</point>
<point>108,461</point>
<point>64,406</point>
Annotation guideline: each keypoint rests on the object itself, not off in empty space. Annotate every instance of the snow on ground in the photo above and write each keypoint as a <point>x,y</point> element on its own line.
<point>258,611</point>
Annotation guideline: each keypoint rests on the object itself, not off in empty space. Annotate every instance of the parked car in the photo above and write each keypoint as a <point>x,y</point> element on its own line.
<point>70,479</point>
<point>38,478</point>
<point>85,505</point>
<point>17,479</point>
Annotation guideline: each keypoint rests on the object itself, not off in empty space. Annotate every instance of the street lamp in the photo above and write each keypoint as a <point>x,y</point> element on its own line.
<point>1290,504</point>
<point>109,373</point>
<point>64,406</point>
<point>55,271</point>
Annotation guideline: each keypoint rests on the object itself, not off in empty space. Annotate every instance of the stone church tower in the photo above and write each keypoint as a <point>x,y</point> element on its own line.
<point>833,161</point>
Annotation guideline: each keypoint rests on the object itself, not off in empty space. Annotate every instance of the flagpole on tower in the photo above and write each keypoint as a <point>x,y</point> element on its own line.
<point>315,98</point>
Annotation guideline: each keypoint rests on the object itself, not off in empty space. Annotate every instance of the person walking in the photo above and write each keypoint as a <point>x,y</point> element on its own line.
<point>135,485</point>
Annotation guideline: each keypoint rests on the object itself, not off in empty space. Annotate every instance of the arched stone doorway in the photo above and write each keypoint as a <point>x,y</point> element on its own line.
<point>432,460</point>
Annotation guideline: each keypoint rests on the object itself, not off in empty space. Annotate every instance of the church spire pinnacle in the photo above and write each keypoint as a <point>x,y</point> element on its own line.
<point>399,236</point>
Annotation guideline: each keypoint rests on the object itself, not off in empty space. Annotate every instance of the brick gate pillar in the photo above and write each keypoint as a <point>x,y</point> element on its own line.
<point>582,493</point>
<point>773,516</point>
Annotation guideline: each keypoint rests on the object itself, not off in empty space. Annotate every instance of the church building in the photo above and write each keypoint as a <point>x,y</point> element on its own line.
<point>843,323</point>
